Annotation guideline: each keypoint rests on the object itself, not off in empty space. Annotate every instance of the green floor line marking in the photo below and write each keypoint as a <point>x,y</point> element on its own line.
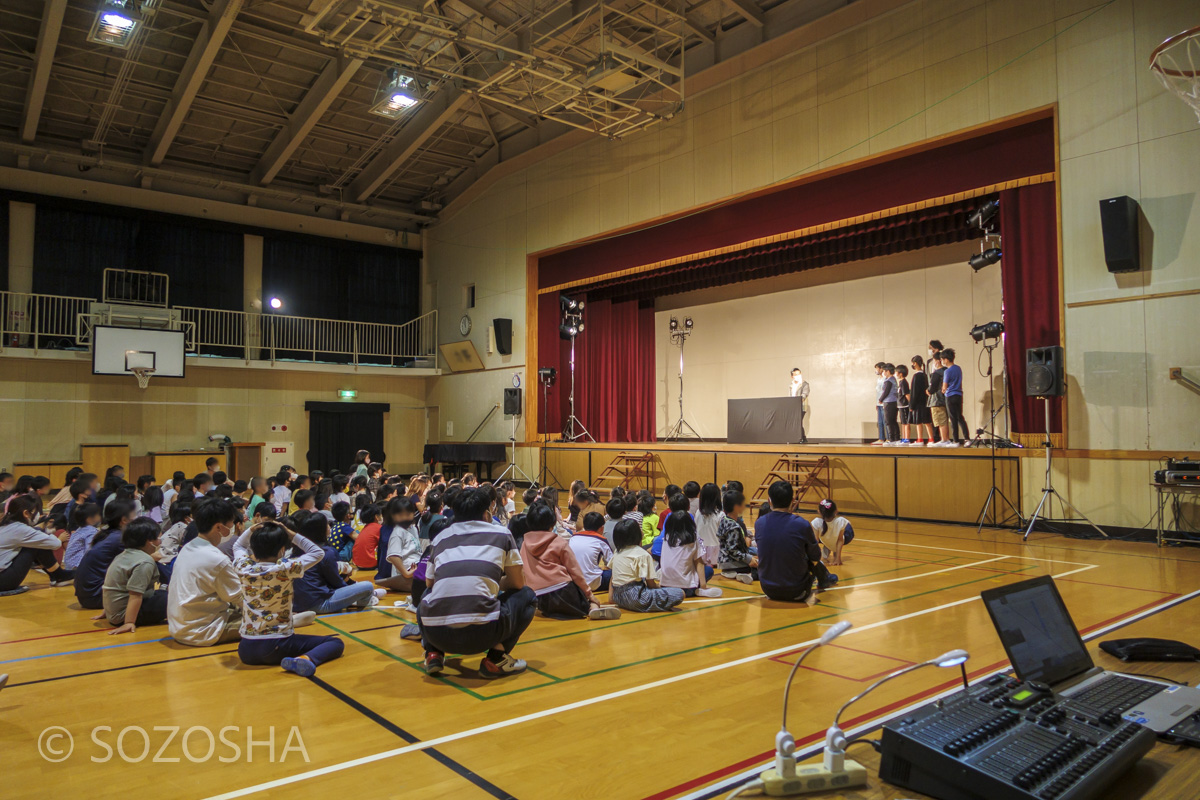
<point>405,662</point>
<point>616,667</point>
<point>642,617</point>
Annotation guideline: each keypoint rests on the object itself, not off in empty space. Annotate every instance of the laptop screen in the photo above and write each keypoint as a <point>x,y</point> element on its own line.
<point>1037,632</point>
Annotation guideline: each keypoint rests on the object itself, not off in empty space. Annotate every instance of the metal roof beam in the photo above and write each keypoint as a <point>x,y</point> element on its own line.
<point>43,60</point>
<point>425,121</point>
<point>300,123</point>
<point>748,10</point>
<point>195,71</point>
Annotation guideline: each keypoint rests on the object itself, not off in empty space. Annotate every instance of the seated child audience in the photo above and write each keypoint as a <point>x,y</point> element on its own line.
<point>281,496</point>
<point>204,598</point>
<point>683,559</point>
<point>84,525</point>
<point>585,502</point>
<point>22,546</point>
<point>106,545</point>
<point>691,490</point>
<point>341,532</point>
<point>676,502</point>
<point>833,531</point>
<point>553,572</point>
<point>322,588</point>
<point>789,557</point>
<point>266,573</point>
<point>708,522</point>
<point>399,546</point>
<point>614,512</point>
<point>467,612</point>
<point>593,552</point>
<point>434,504</point>
<point>737,560</point>
<point>635,581</point>
<point>631,506</point>
<point>129,594</point>
<point>646,507</point>
<point>363,554</point>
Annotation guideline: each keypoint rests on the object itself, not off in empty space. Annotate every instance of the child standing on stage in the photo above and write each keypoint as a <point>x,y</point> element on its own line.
<point>266,574</point>
<point>635,582</point>
<point>903,396</point>
<point>920,421</point>
<point>888,397</point>
<point>833,531</point>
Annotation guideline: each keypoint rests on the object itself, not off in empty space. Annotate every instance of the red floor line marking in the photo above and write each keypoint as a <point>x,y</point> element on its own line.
<point>1114,586</point>
<point>54,636</point>
<point>696,783</point>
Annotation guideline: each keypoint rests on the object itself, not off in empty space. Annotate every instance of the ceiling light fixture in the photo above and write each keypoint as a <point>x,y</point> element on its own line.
<point>399,94</point>
<point>116,23</point>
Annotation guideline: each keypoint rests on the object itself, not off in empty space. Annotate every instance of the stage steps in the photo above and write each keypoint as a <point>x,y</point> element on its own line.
<point>628,467</point>
<point>805,473</point>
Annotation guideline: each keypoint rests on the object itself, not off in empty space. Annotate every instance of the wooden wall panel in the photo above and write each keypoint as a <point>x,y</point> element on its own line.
<point>56,471</point>
<point>567,464</point>
<point>949,489</point>
<point>681,466</point>
<point>97,458</point>
<point>865,484</point>
<point>164,464</point>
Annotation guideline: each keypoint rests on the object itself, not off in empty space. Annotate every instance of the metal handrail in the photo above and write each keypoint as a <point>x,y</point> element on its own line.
<point>39,321</point>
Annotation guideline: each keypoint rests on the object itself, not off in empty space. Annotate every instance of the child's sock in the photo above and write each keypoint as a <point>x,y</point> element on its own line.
<point>495,656</point>
<point>301,665</point>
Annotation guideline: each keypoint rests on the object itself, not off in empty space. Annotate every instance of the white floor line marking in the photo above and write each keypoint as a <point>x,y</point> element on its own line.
<point>550,712</point>
<point>969,552</point>
<point>722,599</point>
<point>914,577</point>
<point>727,784</point>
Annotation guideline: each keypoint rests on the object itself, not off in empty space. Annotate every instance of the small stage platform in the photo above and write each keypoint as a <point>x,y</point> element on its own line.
<point>942,484</point>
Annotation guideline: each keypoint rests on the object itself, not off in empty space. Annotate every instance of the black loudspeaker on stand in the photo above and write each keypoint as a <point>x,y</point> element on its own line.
<point>1044,372</point>
<point>512,402</point>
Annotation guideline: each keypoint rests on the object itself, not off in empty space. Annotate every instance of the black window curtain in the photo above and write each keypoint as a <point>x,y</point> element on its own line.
<point>342,280</point>
<point>337,431</point>
<point>73,247</point>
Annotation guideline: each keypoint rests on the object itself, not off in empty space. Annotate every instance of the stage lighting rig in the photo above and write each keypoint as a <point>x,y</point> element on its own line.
<point>985,258</point>
<point>983,216</point>
<point>988,330</point>
<point>570,326</point>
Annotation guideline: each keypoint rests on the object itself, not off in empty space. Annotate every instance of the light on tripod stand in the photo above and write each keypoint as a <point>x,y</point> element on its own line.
<point>579,328</point>
<point>674,324</point>
<point>687,323</point>
<point>988,330</point>
<point>567,331</point>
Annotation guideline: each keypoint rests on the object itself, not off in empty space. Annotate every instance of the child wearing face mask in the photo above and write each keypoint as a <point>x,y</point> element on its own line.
<point>266,574</point>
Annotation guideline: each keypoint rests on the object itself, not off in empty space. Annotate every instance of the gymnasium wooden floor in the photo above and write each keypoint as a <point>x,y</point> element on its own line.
<point>648,706</point>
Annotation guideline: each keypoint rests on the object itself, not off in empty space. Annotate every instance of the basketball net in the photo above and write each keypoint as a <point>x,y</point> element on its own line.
<point>1176,62</point>
<point>143,375</point>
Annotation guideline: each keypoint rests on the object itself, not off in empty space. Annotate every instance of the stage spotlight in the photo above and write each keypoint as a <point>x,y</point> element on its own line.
<point>579,327</point>
<point>275,303</point>
<point>687,323</point>
<point>982,217</point>
<point>579,306</point>
<point>984,259</point>
<point>547,375</point>
<point>567,331</point>
<point>570,305</point>
<point>988,330</point>
<point>674,324</point>
<point>400,93</point>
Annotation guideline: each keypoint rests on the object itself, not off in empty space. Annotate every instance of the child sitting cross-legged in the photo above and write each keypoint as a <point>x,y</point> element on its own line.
<point>266,575</point>
<point>323,588</point>
<point>635,584</point>
<point>84,525</point>
<point>593,552</point>
<point>683,558</point>
<point>342,533</point>
<point>130,598</point>
<point>738,560</point>
<point>833,532</point>
<point>553,573</point>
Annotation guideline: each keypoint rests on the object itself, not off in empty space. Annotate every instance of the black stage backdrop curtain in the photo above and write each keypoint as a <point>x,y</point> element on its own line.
<point>73,247</point>
<point>342,280</point>
<point>336,431</point>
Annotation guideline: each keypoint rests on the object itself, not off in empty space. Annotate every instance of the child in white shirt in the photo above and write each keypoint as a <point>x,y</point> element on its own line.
<point>635,580</point>
<point>683,559</point>
<point>833,531</point>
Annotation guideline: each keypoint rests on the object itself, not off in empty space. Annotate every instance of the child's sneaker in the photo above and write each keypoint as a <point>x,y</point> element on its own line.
<point>711,591</point>
<point>830,581</point>
<point>380,594</point>
<point>435,662</point>
<point>61,577</point>
<point>605,612</point>
<point>905,442</point>
<point>507,665</point>
<point>743,577</point>
<point>301,666</point>
<point>373,600</point>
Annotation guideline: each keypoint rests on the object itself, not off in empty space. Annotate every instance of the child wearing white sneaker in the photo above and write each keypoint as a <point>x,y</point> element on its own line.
<point>833,532</point>
<point>903,398</point>
<point>323,589</point>
<point>683,562</point>
<point>635,580</point>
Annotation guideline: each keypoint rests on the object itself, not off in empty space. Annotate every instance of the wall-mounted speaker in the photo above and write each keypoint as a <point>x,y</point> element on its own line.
<point>1044,372</point>
<point>503,329</point>
<point>1119,222</point>
<point>512,402</point>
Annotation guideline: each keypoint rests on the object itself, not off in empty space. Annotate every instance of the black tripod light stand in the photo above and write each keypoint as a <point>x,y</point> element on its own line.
<point>996,501</point>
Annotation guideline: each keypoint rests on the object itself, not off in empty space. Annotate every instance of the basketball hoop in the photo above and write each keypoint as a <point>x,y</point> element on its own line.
<point>143,375</point>
<point>1176,62</point>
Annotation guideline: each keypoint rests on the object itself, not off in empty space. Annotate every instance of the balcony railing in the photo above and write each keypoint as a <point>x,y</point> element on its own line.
<point>39,321</point>
<point>274,337</point>
<point>43,322</point>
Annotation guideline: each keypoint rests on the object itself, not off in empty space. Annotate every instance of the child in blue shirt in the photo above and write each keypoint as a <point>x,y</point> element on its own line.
<point>85,521</point>
<point>342,533</point>
<point>952,387</point>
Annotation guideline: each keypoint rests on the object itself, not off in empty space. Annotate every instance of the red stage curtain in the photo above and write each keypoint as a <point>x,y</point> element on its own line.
<point>614,370</point>
<point>1029,274</point>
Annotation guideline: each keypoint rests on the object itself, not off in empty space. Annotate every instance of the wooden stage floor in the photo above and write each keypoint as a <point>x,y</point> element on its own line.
<point>648,706</point>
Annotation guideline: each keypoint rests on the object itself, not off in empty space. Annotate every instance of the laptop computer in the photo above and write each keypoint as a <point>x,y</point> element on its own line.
<point>1044,646</point>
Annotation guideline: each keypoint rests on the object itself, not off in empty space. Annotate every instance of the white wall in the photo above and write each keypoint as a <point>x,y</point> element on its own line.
<point>834,323</point>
